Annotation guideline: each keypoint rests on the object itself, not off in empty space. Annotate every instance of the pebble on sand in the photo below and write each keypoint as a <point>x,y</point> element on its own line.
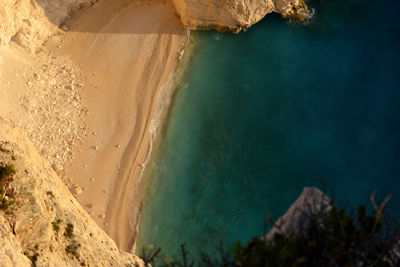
<point>58,167</point>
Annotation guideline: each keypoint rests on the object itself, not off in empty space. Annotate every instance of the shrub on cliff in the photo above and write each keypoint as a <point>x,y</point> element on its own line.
<point>6,172</point>
<point>343,239</point>
<point>337,237</point>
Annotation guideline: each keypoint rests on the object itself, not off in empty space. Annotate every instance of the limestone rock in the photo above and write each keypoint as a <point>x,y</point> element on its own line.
<point>30,22</point>
<point>37,224</point>
<point>297,219</point>
<point>11,253</point>
<point>58,167</point>
<point>234,15</point>
<point>77,190</point>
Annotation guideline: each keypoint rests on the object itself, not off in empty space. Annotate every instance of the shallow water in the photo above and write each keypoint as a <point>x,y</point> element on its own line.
<point>264,113</point>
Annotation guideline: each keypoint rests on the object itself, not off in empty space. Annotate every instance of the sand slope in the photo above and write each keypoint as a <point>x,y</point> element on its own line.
<point>126,53</point>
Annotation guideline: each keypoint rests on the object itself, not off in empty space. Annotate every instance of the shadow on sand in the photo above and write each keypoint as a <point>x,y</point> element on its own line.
<point>116,17</point>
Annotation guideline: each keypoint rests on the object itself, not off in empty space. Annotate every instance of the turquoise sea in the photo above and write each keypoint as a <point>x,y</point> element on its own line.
<point>262,114</point>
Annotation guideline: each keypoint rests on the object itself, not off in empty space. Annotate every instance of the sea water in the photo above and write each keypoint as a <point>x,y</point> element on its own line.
<point>262,114</point>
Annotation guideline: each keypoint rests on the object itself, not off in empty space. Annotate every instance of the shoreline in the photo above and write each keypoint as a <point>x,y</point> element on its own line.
<point>162,104</point>
<point>157,128</point>
<point>129,55</point>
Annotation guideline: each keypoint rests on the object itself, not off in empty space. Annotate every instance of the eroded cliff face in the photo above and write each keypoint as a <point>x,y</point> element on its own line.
<point>30,22</point>
<point>234,15</point>
<point>46,224</point>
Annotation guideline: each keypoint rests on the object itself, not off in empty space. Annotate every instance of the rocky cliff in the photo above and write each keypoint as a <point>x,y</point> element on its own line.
<point>297,220</point>
<point>234,15</point>
<point>30,22</point>
<point>40,220</point>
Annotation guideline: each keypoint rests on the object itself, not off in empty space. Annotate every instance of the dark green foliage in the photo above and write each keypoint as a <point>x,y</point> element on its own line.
<point>337,237</point>
<point>343,239</point>
<point>149,257</point>
<point>5,204</point>
<point>56,225</point>
<point>73,249</point>
<point>6,172</point>
<point>69,230</point>
<point>33,258</point>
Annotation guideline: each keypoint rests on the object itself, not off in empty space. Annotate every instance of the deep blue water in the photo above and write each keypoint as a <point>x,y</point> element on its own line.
<point>264,113</point>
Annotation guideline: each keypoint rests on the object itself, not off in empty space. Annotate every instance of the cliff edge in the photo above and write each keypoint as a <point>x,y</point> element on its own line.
<point>30,22</point>
<point>234,15</point>
<point>40,220</point>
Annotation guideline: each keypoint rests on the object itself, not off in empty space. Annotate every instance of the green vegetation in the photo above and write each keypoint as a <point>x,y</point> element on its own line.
<point>56,225</point>
<point>4,203</point>
<point>7,171</point>
<point>73,249</point>
<point>69,230</point>
<point>149,255</point>
<point>73,245</point>
<point>32,257</point>
<point>341,240</point>
<point>333,237</point>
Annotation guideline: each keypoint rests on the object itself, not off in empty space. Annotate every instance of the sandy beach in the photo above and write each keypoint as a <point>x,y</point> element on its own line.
<point>127,53</point>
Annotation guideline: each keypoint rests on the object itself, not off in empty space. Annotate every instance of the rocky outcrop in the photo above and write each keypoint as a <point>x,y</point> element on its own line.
<point>46,225</point>
<point>297,220</point>
<point>11,253</point>
<point>234,15</point>
<point>30,22</point>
